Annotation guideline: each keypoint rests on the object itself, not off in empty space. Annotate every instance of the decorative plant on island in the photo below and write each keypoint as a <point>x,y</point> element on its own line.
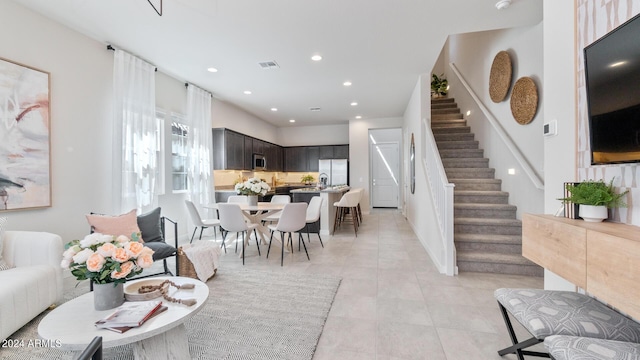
<point>106,259</point>
<point>307,179</point>
<point>596,194</point>
<point>252,187</point>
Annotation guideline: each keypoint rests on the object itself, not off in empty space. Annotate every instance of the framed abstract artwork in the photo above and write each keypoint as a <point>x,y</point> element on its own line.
<point>25,137</point>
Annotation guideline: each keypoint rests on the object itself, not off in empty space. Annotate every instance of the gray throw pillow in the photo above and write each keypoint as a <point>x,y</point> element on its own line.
<point>149,224</point>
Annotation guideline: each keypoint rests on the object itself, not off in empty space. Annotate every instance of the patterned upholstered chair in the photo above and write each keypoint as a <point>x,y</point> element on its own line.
<point>545,313</point>
<point>563,347</point>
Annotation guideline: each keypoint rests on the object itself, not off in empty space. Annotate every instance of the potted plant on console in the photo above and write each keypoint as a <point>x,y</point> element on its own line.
<point>594,198</point>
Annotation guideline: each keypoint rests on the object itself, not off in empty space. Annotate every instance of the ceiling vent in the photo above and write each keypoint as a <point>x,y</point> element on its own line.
<point>266,65</point>
<point>314,109</point>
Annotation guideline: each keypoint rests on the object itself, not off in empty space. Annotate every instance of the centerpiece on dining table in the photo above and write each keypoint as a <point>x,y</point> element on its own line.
<point>252,188</point>
<point>107,261</point>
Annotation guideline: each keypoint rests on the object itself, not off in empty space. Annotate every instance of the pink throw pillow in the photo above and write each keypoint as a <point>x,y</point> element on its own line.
<point>125,224</point>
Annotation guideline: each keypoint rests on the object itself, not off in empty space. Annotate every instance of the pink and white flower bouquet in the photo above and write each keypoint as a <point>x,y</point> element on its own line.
<point>105,258</point>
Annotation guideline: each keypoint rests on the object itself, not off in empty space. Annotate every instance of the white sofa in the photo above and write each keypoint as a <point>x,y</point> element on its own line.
<point>35,280</point>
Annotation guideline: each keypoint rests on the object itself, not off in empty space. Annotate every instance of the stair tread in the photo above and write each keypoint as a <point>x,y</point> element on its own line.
<point>488,238</point>
<point>494,258</point>
<point>461,159</point>
<point>484,206</point>
<point>481,192</point>
<point>490,181</point>
<point>487,221</point>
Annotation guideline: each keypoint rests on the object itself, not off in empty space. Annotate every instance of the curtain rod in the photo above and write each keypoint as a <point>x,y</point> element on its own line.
<point>109,47</point>
<point>187,85</point>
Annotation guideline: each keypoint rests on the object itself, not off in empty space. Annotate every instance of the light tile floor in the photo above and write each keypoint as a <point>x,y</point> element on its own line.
<point>392,302</point>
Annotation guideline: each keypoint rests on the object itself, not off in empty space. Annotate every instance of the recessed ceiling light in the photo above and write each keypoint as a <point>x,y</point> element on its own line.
<point>316,58</point>
<point>347,83</point>
<point>212,69</point>
<point>358,117</point>
<point>354,104</point>
<point>274,109</point>
<point>247,92</point>
<point>292,120</point>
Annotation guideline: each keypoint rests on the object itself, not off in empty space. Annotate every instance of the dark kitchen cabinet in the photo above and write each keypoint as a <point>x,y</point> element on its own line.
<point>277,153</point>
<point>295,159</point>
<point>340,151</point>
<point>248,153</point>
<point>259,146</point>
<point>326,152</point>
<point>313,157</point>
<point>228,150</point>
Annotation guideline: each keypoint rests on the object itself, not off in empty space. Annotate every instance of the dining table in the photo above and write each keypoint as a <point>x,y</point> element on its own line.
<point>255,214</point>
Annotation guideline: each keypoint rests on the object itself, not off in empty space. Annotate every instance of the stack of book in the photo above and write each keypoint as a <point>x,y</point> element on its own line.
<point>130,315</point>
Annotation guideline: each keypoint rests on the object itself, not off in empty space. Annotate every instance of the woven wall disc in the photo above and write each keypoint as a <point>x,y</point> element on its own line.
<point>524,100</point>
<point>500,77</point>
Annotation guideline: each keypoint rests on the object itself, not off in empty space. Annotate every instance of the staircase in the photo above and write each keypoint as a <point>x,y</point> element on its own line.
<point>487,235</point>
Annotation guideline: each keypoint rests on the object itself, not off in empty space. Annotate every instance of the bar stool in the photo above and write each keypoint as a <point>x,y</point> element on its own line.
<point>360,192</point>
<point>348,203</point>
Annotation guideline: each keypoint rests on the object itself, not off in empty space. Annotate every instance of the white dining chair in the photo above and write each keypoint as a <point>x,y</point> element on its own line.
<point>313,215</point>
<point>199,222</point>
<point>232,220</point>
<point>294,218</point>
<point>277,199</point>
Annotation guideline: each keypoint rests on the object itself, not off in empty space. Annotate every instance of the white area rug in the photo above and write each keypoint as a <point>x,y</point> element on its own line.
<point>249,315</point>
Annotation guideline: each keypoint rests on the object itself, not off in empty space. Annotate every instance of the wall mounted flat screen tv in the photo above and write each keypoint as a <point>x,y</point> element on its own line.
<point>612,68</point>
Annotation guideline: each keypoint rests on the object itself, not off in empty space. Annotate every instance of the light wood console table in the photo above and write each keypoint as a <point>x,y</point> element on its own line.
<point>602,258</point>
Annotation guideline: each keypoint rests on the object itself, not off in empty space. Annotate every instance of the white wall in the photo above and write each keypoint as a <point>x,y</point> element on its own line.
<point>81,116</point>
<point>313,135</point>
<point>473,55</point>
<point>227,115</point>
<point>359,152</point>
<point>81,112</point>
<point>419,208</point>
<point>560,105</point>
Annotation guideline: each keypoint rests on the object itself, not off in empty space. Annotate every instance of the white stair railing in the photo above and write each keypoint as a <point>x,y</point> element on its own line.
<point>441,192</point>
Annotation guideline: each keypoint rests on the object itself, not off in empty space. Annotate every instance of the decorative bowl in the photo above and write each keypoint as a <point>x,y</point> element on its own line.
<point>131,290</point>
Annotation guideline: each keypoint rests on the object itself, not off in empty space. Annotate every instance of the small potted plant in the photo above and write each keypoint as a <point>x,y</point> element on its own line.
<point>594,198</point>
<point>439,86</point>
<point>307,179</point>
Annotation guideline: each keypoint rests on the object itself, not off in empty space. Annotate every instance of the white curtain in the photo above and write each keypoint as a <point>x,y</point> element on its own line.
<point>199,141</point>
<point>135,133</point>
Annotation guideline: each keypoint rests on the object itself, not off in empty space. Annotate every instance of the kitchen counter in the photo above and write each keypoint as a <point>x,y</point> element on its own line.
<point>340,190</point>
<point>329,196</point>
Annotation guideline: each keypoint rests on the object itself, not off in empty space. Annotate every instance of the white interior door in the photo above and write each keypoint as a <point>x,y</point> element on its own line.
<point>385,178</point>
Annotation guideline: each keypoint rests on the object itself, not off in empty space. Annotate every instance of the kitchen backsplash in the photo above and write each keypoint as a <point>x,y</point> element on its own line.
<point>224,179</point>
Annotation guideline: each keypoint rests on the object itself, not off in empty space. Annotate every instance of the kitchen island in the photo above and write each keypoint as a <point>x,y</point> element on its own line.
<point>329,196</point>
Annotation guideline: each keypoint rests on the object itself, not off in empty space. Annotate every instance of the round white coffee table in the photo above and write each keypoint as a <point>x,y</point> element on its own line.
<point>161,337</point>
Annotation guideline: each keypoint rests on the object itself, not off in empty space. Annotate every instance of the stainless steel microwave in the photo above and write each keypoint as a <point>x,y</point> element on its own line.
<point>259,162</point>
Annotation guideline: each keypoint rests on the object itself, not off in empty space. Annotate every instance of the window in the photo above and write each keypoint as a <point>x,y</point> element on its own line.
<point>179,153</point>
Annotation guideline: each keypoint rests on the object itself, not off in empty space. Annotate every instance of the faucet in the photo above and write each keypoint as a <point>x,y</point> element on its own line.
<point>323,179</point>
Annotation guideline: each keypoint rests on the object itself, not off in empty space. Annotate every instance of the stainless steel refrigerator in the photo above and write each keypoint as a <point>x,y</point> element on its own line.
<point>336,172</point>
